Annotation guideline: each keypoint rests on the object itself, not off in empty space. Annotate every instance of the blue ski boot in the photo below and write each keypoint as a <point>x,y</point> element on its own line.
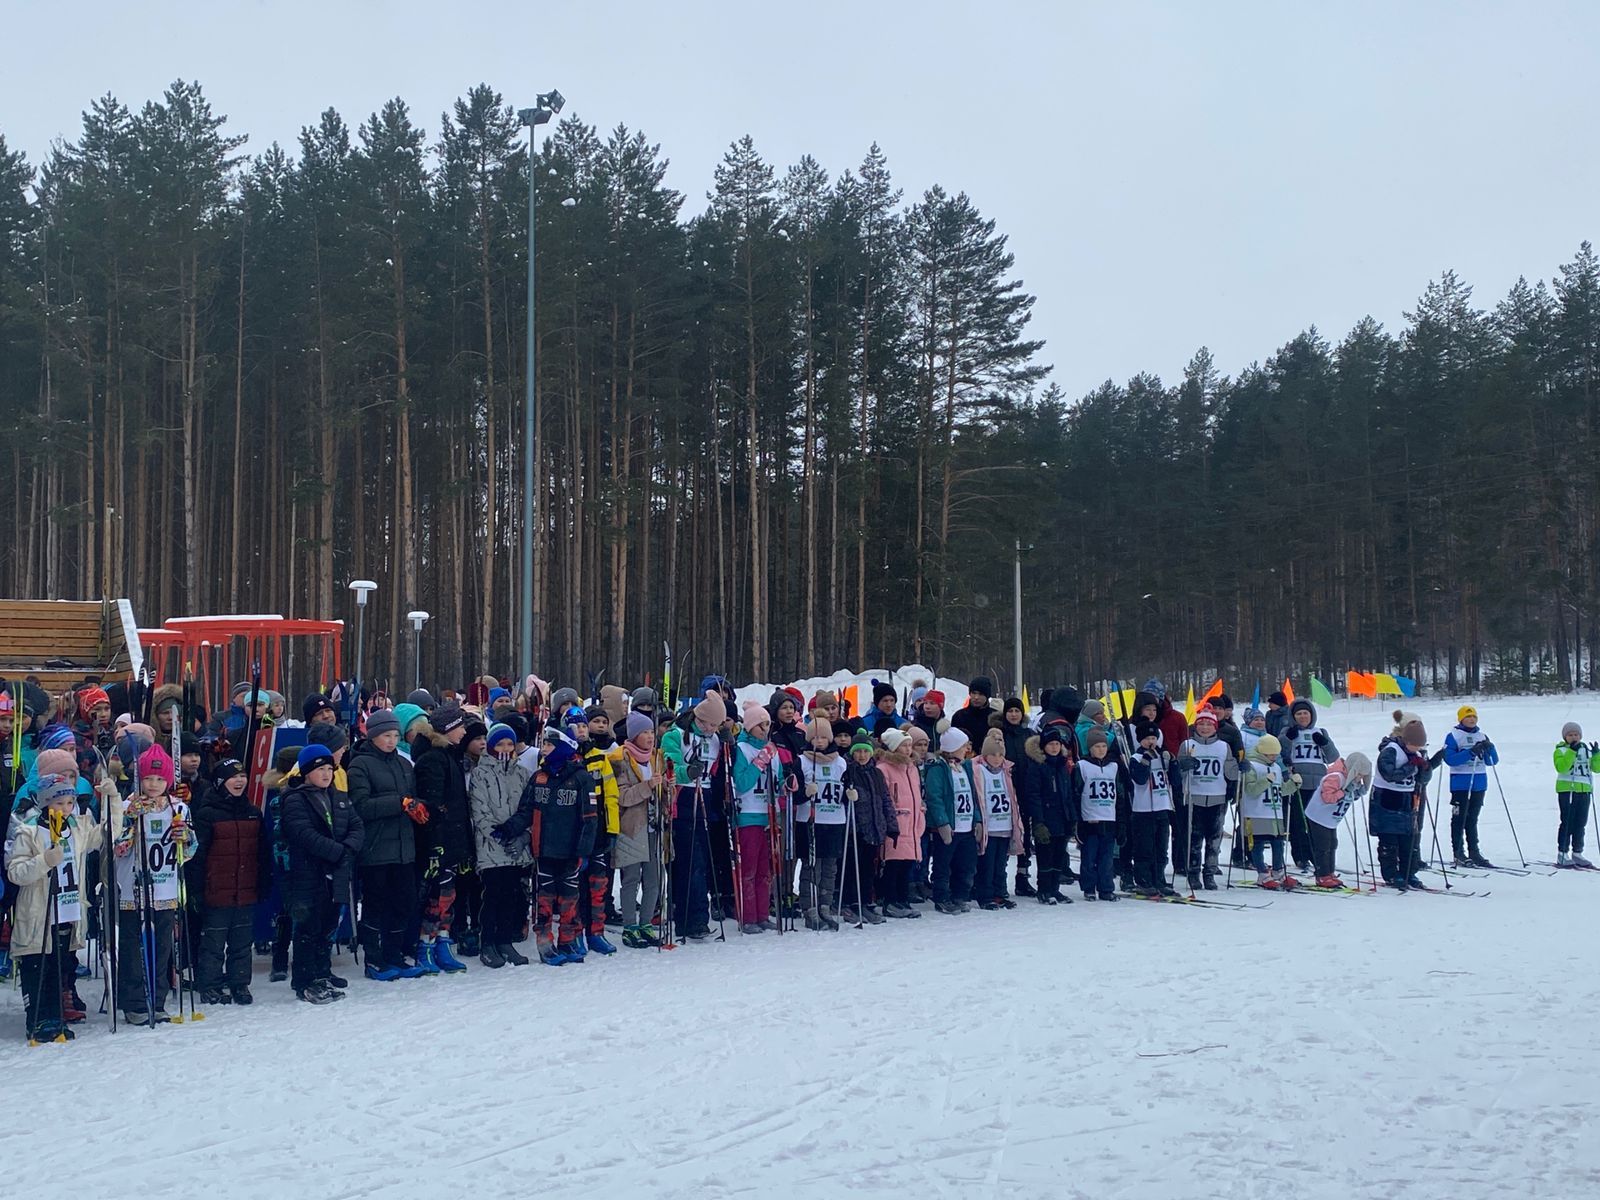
<point>425,959</point>
<point>577,949</point>
<point>383,974</point>
<point>550,955</point>
<point>446,960</point>
<point>599,944</point>
<point>409,970</point>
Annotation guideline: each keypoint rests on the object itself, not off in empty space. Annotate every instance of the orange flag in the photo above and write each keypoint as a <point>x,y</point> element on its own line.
<point>1288,690</point>
<point>1212,693</point>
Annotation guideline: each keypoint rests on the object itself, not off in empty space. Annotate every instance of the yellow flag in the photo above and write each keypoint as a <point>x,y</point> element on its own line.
<point>1188,706</point>
<point>1026,707</point>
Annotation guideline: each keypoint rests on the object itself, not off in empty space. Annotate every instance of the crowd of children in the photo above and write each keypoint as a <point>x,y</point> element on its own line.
<point>453,830</point>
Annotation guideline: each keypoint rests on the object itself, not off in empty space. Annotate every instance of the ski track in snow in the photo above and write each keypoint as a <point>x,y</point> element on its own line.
<point>1368,1047</point>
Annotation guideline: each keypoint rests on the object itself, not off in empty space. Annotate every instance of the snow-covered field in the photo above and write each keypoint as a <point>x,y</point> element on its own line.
<point>1368,1046</point>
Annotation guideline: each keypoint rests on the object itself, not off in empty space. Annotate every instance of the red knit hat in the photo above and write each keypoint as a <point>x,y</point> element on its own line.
<point>934,698</point>
<point>1206,713</point>
<point>91,696</point>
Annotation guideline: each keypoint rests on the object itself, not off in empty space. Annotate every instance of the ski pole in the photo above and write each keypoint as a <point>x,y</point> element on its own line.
<point>855,864</point>
<point>45,938</point>
<point>1507,807</point>
<point>1433,816</point>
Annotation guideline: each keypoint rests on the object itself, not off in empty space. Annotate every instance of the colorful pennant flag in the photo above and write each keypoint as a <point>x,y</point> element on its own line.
<point>1320,695</point>
<point>1360,684</point>
<point>1408,687</point>
<point>1212,693</point>
<point>1026,707</point>
<point>1288,690</point>
<point>1255,696</point>
<point>1188,706</point>
<point>1386,685</point>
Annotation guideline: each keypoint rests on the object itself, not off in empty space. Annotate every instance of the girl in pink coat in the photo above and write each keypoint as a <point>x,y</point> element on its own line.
<point>902,855</point>
<point>1001,833</point>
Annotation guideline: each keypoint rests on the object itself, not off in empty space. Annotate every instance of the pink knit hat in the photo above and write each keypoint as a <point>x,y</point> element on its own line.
<point>156,761</point>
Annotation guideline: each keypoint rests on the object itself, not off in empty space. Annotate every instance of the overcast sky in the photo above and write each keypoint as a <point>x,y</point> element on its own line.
<point>1171,175</point>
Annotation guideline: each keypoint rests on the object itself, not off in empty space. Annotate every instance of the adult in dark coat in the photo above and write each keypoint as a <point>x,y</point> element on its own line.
<point>383,788</point>
<point>323,833</point>
<point>973,717</point>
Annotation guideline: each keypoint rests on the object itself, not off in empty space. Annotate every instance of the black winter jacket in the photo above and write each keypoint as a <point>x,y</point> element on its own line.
<point>560,814</point>
<point>1047,792</point>
<point>323,833</point>
<point>876,821</point>
<point>441,776</point>
<point>378,783</point>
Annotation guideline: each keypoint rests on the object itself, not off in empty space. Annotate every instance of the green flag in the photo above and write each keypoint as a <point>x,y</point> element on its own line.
<point>1320,694</point>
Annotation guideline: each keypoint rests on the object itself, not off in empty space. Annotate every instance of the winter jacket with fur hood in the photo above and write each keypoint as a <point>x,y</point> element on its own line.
<point>1047,791</point>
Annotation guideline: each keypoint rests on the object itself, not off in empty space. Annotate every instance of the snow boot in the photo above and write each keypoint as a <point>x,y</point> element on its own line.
<point>1023,887</point>
<point>215,996</point>
<point>600,945</point>
<point>1578,860</point>
<point>512,955</point>
<point>241,995</point>
<point>334,981</point>
<point>443,957</point>
<point>382,974</point>
<point>570,949</point>
<point>1195,883</point>
<point>278,975</point>
<point>750,927</point>
<point>829,921</point>
<point>551,955</point>
<point>1329,881</point>
<point>490,957</point>
<point>874,917</point>
<point>426,962</point>
<point>318,993</point>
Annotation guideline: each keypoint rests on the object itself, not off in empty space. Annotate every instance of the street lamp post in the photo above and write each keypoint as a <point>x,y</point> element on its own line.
<point>1016,614</point>
<point>418,619</point>
<point>546,105</point>
<point>362,588</point>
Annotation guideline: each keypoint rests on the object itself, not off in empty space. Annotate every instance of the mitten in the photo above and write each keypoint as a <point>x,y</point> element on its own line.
<point>693,770</point>
<point>811,789</point>
<point>1295,779</point>
<point>850,795</point>
<point>1186,762</point>
<point>1319,738</point>
<point>53,856</point>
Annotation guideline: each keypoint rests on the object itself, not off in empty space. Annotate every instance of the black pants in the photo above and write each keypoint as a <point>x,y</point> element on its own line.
<point>1180,833</point>
<point>1395,852</point>
<point>1465,808</point>
<point>43,978</point>
<point>1148,835</point>
<point>132,951</point>
<point>282,936</point>
<point>897,881</point>
<point>468,918</point>
<point>1205,838</point>
<point>720,873</point>
<point>225,947</point>
<point>505,905</point>
<point>1324,848</point>
<point>1299,831</point>
<point>1574,816</point>
<point>388,901</point>
<point>860,862</point>
<point>313,953</point>
<point>691,861</point>
<point>1049,855</point>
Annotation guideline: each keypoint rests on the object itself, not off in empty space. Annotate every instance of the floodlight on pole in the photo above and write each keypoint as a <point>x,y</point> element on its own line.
<point>418,619</point>
<point>362,588</point>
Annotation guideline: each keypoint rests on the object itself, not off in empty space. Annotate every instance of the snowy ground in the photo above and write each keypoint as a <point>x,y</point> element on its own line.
<point>1382,1046</point>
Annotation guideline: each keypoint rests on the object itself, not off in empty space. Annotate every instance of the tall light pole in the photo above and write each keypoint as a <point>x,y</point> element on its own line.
<point>544,107</point>
<point>418,619</point>
<point>1016,615</point>
<point>362,588</point>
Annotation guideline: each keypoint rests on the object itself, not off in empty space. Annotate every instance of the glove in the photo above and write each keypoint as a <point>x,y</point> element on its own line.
<point>850,794</point>
<point>1319,739</point>
<point>811,789</point>
<point>725,735</point>
<point>1041,834</point>
<point>503,835</point>
<point>1186,762</point>
<point>415,809</point>
<point>1295,779</point>
<point>1594,748</point>
<point>764,756</point>
<point>944,833</point>
<point>53,856</point>
<point>693,770</point>
<point>1484,747</point>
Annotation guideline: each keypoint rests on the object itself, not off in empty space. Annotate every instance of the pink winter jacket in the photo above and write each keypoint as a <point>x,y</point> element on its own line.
<point>905,792</point>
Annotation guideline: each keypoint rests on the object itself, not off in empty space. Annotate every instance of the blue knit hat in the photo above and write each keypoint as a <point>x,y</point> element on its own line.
<point>311,757</point>
<point>500,733</point>
<point>559,750</point>
<point>498,694</point>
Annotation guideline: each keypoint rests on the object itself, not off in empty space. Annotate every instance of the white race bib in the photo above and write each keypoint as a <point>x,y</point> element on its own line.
<point>69,900</point>
<point>996,801</point>
<point>964,807</point>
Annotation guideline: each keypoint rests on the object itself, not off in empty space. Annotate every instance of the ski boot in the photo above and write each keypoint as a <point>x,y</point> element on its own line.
<point>1049,898</point>
<point>699,933</point>
<point>1413,881</point>
<point>1562,860</point>
<point>613,917</point>
<point>491,958</point>
<point>319,993</point>
<point>633,936</point>
<point>442,956</point>
<point>1022,886</point>
<point>512,955</point>
<point>1477,860</point>
<point>5,964</point>
<point>814,920</point>
<point>1210,876</point>
<point>335,981</point>
<point>278,975</point>
<point>427,963</point>
<point>571,950</point>
<point>1165,889</point>
<point>470,942</point>
<point>874,917</point>
<point>1125,883</point>
<point>1148,891</point>
<point>1007,902</point>
<point>1331,882</point>
<point>241,995</point>
<point>214,996</point>
<point>549,954</point>
<point>1268,880</point>
<point>1110,897</point>
<point>72,1010</point>
<point>847,916</point>
<point>1068,875</point>
<point>600,944</point>
<point>750,927</point>
<point>1195,883</point>
<point>1287,881</point>
<point>829,921</point>
<point>1578,860</point>
<point>49,1031</point>
<point>411,970</point>
<point>382,974</point>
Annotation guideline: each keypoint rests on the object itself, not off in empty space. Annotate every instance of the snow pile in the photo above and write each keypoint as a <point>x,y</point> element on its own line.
<point>1357,1047</point>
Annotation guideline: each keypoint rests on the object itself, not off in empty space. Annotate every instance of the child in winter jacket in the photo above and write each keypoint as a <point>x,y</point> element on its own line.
<point>1000,834</point>
<point>1099,790</point>
<point>324,835</point>
<point>1048,809</point>
<point>1150,810</point>
<point>952,808</point>
<point>1576,761</point>
<point>150,846</point>
<point>1400,781</point>
<point>383,789</point>
<point>558,815</point>
<point>824,812</point>
<point>872,823</point>
<point>493,794</point>
<point>233,860</point>
<point>642,788</point>
<point>1261,811</point>
<point>1469,754</point>
<point>1343,784</point>
<point>758,790</point>
<point>902,853</point>
<point>1209,770</point>
<point>46,869</point>
<point>1307,751</point>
